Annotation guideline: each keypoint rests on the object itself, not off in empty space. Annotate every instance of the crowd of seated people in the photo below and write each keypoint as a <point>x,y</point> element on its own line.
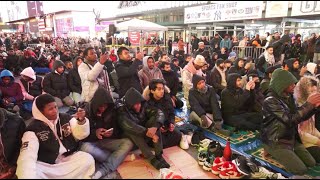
<point>279,99</point>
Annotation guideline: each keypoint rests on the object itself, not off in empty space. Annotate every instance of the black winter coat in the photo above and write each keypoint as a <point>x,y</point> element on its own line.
<point>56,85</point>
<point>12,128</point>
<point>235,101</point>
<point>205,103</point>
<point>216,79</point>
<point>172,81</point>
<point>280,122</point>
<point>107,120</point>
<point>127,72</point>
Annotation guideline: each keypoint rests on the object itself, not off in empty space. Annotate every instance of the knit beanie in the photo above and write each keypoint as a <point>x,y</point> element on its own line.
<point>280,80</point>
<point>196,79</point>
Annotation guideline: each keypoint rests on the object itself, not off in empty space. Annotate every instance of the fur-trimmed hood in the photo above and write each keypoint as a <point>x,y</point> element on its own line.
<point>146,92</point>
<point>301,91</point>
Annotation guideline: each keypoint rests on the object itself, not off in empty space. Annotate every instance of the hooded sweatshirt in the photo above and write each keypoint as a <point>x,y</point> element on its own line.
<point>236,69</point>
<point>48,148</point>
<point>290,63</point>
<point>146,74</point>
<point>107,119</point>
<point>234,100</point>
<point>74,80</point>
<point>311,67</point>
<point>308,132</point>
<point>33,88</point>
<point>188,71</point>
<point>56,84</point>
<point>11,91</point>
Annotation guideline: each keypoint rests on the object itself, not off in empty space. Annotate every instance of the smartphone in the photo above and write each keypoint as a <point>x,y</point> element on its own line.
<point>109,130</point>
<point>250,78</point>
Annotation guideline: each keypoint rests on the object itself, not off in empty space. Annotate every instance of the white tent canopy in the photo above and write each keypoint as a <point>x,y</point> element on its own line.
<point>139,25</point>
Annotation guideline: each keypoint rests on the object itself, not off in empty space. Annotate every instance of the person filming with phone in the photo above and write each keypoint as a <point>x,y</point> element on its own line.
<point>93,73</point>
<point>104,142</point>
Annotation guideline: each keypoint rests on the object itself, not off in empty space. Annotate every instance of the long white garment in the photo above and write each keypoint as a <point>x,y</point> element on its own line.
<point>79,165</point>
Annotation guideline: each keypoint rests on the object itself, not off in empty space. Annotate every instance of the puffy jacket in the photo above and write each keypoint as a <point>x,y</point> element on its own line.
<point>127,72</point>
<point>135,123</point>
<point>236,69</point>
<point>12,90</point>
<point>12,128</point>
<point>202,103</point>
<point>74,80</point>
<point>56,84</point>
<point>235,101</point>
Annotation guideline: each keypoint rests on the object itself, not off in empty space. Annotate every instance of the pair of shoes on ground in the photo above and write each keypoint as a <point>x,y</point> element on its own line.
<point>225,169</point>
<point>251,167</point>
<point>185,141</point>
<point>207,156</point>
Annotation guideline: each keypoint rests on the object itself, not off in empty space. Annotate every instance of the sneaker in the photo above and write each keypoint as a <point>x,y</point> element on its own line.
<point>215,148</point>
<point>203,145</point>
<point>230,172</point>
<point>207,165</point>
<point>202,156</point>
<point>189,137</point>
<point>184,142</point>
<point>241,165</point>
<point>263,173</point>
<point>225,168</point>
<point>279,176</point>
<point>196,138</point>
<point>163,161</point>
<point>217,164</point>
<point>253,164</point>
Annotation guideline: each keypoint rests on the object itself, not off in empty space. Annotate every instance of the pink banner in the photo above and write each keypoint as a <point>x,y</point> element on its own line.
<point>134,37</point>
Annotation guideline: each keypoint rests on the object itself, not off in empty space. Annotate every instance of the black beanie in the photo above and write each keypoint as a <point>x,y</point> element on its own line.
<point>43,100</point>
<point>196,79</point>
<point>219,61</point>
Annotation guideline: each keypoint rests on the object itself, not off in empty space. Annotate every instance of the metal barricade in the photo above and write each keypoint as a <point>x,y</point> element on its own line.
<point>247,51</point>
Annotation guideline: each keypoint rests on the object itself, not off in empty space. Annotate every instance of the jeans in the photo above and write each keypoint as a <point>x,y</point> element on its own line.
<point>109,152</point>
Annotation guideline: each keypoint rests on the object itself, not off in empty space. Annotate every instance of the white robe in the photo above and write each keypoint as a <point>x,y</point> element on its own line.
<point>79,165</point>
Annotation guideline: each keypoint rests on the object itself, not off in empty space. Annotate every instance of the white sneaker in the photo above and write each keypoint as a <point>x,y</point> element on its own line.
<point>189,137</point>
<point>184,142</point>
<point>203,145</point>
<point>280,176</point>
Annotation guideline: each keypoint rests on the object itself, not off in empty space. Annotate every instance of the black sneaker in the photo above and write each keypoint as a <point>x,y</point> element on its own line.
<point>197,137</point>
<point>253,164</point>
<point>215,148</point>
<point>241,165</point>
<point>163,161</point>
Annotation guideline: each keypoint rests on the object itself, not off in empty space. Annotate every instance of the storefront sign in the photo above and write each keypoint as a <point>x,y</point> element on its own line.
<point>224,11</point>
<point>305,8</point>
<point>277,9</point>
<point>134,37</point>
<point>133,7</point>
